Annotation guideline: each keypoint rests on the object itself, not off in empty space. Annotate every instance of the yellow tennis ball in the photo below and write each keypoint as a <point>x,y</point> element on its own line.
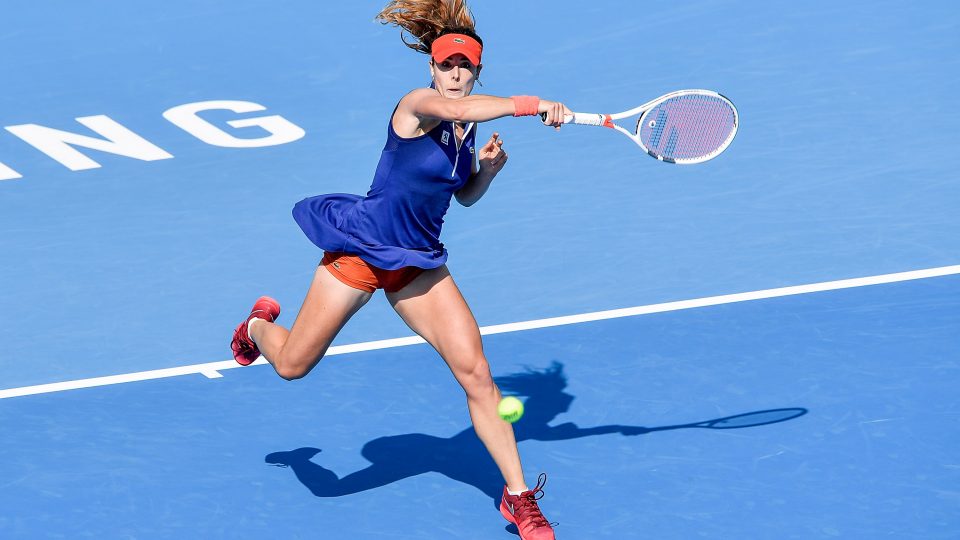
<point>510,409</point>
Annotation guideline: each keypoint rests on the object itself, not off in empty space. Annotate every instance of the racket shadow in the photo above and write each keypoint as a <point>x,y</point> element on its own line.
<point>462,457</point>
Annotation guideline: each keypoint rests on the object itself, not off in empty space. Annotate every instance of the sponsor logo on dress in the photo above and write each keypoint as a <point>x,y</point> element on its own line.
<point>445,138</point>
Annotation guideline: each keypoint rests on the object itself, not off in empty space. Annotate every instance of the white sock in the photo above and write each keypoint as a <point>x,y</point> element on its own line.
<point>249,323</point>
<point>514,493</point>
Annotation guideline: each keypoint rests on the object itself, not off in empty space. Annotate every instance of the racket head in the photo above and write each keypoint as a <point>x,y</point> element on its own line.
<point>686,127</point>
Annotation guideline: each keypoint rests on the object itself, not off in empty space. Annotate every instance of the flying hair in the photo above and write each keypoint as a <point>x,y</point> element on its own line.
<point>423,21</point>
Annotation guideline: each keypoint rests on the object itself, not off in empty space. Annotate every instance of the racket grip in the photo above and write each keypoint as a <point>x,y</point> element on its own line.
<point>583,119</point>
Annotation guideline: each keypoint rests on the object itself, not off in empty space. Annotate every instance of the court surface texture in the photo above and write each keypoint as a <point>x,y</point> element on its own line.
<point>764,346</point>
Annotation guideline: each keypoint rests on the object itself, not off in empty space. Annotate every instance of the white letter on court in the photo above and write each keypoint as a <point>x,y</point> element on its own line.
<point>119,140</point>
<point>6,173</point>
<point>280,129</point>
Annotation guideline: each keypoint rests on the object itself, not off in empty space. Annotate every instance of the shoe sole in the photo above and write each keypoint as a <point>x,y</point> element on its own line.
<point>273,304</point>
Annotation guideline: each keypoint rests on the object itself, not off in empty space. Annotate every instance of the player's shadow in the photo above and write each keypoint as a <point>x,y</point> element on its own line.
<point>463,457</point>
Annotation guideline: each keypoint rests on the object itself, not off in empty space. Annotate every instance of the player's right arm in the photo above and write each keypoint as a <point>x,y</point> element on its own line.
<point>425,106</point>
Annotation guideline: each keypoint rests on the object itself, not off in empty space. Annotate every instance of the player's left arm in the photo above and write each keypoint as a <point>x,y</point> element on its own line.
<point>490,159</point>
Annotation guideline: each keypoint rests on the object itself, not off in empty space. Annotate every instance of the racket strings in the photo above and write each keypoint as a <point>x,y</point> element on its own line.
<point>659,124</point>
<point>687,127</point>
<point>710,116</point>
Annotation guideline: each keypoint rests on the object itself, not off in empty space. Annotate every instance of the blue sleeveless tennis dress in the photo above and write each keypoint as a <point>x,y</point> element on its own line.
<point>398,222</point>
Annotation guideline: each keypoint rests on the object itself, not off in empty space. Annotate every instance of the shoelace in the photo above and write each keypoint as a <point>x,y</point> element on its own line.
<point>527,508</point>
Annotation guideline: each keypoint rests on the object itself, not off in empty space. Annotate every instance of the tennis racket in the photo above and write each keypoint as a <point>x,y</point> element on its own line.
<point>683,127</point>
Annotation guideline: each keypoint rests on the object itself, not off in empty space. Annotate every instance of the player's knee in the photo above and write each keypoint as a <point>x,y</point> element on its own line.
<point>477,381</point>
<point>291,374</point>
<point>292,371</point>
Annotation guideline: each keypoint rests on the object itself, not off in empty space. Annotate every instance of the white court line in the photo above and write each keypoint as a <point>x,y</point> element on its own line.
<point>213,369</point>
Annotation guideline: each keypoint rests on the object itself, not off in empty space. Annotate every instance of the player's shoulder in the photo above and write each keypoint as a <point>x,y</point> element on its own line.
<point>422,92</point>
<point>411,105</point>
<point>418,94</point>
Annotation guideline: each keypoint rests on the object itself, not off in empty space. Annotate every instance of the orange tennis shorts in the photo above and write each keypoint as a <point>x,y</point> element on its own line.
<point>359,274</point>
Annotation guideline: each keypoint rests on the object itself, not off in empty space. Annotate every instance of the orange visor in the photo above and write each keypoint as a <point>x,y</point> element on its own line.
<point>448,45</point>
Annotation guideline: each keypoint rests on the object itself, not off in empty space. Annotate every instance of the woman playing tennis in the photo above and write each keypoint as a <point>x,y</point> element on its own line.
<point>389,239</point>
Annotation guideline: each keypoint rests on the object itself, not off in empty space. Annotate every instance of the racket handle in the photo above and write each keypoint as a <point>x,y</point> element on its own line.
<point>583,119</point>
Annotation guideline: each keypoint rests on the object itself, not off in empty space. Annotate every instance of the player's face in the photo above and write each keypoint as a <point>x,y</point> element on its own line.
<point>454,77</point>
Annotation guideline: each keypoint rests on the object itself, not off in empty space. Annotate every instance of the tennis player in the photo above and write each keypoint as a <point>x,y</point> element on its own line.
<point>390,238</point>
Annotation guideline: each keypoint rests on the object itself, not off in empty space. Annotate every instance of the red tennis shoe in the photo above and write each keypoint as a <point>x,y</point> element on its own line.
<point>522,510</point>
<point>245,351</point>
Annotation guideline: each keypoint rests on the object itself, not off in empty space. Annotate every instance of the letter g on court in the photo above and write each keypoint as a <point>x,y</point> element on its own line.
<point>280,130</point>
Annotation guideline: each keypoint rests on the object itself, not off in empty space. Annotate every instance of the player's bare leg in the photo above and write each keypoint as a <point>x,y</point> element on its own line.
<point>328,306</point>
<point>434,308</point>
